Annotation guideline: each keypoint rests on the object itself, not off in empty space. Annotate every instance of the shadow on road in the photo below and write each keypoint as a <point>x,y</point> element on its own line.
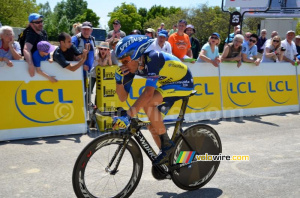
<point>201,193</point>
<point>47,140</point>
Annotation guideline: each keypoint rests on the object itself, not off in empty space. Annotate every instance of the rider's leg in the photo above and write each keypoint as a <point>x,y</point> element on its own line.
<point>157,126</point>
<point>158,129</point>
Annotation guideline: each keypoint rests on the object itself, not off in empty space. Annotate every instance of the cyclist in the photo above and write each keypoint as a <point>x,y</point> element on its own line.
<point>167,80</point>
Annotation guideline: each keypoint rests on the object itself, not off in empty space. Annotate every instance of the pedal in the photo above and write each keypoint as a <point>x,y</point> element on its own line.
<point>158,174</point>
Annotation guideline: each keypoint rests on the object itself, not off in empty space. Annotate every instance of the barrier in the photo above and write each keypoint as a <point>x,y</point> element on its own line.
<point>35,107</point>
<point>251,90</point>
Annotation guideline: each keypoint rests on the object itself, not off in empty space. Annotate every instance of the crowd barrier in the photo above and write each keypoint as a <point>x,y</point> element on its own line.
<point>35,107</point>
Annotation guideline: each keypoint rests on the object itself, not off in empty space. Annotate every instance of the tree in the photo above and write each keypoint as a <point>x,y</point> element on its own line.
<point>88,15</point>
<point>45,9</point>
<point>59,11</point>
<point>74,8</point>
<point>143,12</point>
<point>63,25</point>
<point>251,24</point>
<point>128,16</point>
<point>298,28</point>
<point>15,12</point>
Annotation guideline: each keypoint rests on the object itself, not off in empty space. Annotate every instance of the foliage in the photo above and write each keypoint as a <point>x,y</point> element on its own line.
<point>15,12</point>
<point>88,15</point>
<point>63,25</point>
<point>75,8</point>
<point>298,28</point>
<point>128,16</point>
<point>251,24</point>
<point>207,20</point>
<point>45,9</point>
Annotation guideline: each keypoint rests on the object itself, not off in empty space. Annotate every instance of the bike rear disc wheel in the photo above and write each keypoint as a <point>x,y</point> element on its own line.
<point>202,139</point>
<point>91,177</point>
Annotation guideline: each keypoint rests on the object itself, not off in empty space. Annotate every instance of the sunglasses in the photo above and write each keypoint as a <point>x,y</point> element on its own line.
<point>253,41</point>
<point>105,49</point>
<point>125,62</point>
<point>37,22</point>
<point>116,23</point>
<point>276,41</point>
<point>213,37</point>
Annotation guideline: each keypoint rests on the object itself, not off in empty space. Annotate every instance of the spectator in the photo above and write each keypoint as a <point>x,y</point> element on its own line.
<point>9,49</point>
<point>68,52</point>
<point>162,27</point>
<point>173,30</point>
<point>116,32</point>
<point>76,28</point>
<point>210,51</point>
<point>160,43</point>
<point>249,51</point>
<point>247,37</point>
<point>229,39</point>
<point>274,33</point>
<point>290,54</point>
<point>135,32</point>
<point>261,41</point>
<point>150,32</point>
<point>103,58</point>
<point>35,34</point>
<point>84,40</point>
<point>273,51</point>
<point>42,54</point>
<point>233,51</point>
<point>190,30</point>
<point>114,59</point>
<point>297,42</point>
<point>180,42</point>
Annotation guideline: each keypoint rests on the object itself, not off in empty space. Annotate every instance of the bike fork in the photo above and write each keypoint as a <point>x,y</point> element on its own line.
<point>118,154</point>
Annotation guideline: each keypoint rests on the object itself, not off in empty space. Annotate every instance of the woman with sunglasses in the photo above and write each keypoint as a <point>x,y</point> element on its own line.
<point>272,52</point>
<point>103,58</point>
<point>210,51</point>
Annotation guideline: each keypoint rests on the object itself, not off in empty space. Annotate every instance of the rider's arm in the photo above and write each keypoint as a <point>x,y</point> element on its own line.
<point>142,101</point>
<point>146,96</point>
<point>122,93</point>
<point>123,88</point>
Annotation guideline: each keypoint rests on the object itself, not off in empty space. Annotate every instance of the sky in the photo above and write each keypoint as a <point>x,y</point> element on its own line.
<point>102,8</point>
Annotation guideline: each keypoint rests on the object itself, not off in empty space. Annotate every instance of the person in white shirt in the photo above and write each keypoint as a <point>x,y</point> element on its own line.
<point>160,43</point>
<point>290,53</point>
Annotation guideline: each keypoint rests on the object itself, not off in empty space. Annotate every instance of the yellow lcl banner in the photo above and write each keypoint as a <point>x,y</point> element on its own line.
<point>40,103</point>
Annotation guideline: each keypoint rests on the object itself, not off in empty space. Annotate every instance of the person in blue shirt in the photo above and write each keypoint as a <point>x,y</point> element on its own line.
<point>210,51</point>
<point>249,51</point>
<point>43,54</point>
<point>84,40</point>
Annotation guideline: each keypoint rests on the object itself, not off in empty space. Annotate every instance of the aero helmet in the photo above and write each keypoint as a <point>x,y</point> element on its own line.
<point>133,46</point>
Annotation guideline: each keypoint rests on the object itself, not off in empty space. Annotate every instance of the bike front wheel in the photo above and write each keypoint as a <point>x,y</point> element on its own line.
<point>202,139</point>
<point>93,175</point>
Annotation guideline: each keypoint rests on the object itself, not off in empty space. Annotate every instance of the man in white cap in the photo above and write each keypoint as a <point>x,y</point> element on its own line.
<point>290,53</point>
<point>34,34</point>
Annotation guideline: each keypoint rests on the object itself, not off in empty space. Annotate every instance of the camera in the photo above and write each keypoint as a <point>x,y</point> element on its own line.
<point>282,49</point>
